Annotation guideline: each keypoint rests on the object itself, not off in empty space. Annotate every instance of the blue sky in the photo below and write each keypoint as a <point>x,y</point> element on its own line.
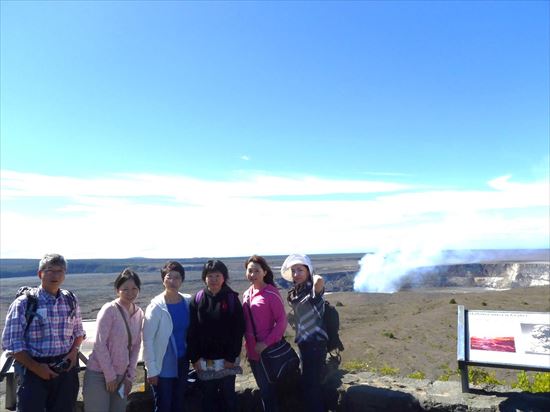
<point>179,129</point>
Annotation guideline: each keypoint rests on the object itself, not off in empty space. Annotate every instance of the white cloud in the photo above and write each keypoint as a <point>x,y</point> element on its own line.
<point>245,157</point>
<point>178,216</point>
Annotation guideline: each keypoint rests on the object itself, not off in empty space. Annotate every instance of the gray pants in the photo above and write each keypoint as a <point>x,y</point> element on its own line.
<point>96,397</point>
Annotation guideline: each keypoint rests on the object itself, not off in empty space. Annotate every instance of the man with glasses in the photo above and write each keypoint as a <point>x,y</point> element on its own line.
<point>45,349</point>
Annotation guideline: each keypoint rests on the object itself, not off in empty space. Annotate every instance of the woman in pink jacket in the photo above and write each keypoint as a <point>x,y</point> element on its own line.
<point>268,311</point>
<point>111,368</point>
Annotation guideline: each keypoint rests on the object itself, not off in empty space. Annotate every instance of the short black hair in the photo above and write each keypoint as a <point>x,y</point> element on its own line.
<point>172,265</point>
<point>125,275</point>
<point>215,265</point>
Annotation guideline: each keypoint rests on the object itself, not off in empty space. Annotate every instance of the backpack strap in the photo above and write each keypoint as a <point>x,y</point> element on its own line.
<point>32,304</point>
<point>71,299</point>
<point>198,296</point>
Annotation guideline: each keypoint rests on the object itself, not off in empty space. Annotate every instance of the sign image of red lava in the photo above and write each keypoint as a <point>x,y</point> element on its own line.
<point>504,344</point>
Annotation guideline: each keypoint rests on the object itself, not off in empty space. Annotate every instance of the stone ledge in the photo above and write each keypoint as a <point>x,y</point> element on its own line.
<point>366,392</point>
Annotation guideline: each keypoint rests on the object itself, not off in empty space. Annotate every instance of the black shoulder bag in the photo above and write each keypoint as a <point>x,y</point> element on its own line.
<point>278,360</point>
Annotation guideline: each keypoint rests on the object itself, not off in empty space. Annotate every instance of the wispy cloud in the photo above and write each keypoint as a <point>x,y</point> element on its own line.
<point>170,215</point>
<point>245,157</point>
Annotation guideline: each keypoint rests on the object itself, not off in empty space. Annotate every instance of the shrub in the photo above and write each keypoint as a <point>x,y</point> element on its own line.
<point>416,375</point>
<point>452,301</point>
<point>388,370</point>
<point>389,335</point>
<point>479,376</point>
<point>540,383</point>
<point>447,373</point>
<point>355,366</point>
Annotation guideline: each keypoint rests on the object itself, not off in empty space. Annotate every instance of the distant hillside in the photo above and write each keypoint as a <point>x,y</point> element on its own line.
<point>28,267</point>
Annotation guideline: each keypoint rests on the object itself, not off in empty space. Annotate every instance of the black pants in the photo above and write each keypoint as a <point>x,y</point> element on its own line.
<point>54,395</point>
<point>313,356</point>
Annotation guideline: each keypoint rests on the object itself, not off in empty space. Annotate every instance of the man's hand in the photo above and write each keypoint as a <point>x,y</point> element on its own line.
<point>197,365</point>
<point>228,365</point>
<point>73,357</point>
<point>44,371</point>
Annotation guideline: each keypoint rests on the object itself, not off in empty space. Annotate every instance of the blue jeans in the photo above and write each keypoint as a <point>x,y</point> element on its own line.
<point>313,356</point>
<point>169,393</point>
<point>219,395</point>
<point>54,395</point>
<point>268,391</point>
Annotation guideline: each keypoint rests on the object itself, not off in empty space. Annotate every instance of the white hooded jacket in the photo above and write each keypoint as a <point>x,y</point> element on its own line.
<point>157,329</point>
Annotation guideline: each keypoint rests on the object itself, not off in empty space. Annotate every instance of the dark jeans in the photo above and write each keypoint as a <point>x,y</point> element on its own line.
<point>313,356</point>
<point>169,393</point>
<point>268,391</point>
<point>219,395</point>
<point>54,395</point>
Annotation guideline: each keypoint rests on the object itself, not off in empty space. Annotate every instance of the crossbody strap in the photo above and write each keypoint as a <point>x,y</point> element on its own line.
<point>127,326</point>
<point>129,339</point>
<point>251,318</point>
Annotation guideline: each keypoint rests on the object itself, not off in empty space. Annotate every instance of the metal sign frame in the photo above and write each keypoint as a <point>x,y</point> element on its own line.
<point>464,346</point>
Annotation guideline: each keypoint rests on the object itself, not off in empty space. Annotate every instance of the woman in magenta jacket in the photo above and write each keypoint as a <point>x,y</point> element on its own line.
<point>267,308</point>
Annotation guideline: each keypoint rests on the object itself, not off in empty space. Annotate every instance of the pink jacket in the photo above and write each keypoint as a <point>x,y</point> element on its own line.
<point>269,317</point>
<point>110,354</point>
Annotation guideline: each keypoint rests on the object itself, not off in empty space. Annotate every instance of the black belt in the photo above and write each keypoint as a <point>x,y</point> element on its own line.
<point>49,359</point>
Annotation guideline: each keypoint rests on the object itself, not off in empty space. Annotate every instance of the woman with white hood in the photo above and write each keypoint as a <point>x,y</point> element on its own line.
<point>306,300</point>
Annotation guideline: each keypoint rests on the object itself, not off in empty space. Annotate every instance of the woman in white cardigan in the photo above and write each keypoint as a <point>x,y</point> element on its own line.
<point>164,341</point>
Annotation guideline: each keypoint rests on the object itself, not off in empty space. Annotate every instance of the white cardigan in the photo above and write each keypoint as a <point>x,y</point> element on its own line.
<point>157,328</point>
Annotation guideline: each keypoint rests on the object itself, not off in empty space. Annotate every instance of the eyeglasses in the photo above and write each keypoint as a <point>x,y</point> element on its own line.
<point>173,277</point>
<point>54,272</point>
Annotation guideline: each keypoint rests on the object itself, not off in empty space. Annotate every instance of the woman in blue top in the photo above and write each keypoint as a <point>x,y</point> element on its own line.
<point>164,341</point>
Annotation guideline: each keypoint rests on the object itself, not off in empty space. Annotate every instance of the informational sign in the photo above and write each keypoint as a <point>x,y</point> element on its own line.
<point>517,340</point>
<point>509,338</point>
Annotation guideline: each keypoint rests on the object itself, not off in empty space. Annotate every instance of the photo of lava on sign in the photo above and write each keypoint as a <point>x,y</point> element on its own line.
<point>505,344</point>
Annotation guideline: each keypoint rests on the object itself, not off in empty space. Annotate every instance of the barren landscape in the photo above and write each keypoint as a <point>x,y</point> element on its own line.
<point>404,332</point>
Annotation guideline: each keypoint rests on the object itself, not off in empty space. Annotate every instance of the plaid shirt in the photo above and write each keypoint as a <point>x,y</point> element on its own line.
<point>52,330</point>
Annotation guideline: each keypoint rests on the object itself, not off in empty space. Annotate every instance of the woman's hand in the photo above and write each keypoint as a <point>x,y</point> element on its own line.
<point>260,347</point>
<point>153,380</point>
<point>111,386</point>
<point>318,283</point>
<point>127,387</point>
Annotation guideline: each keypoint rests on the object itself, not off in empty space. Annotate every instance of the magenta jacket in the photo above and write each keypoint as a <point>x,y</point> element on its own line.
<point>269,317</point>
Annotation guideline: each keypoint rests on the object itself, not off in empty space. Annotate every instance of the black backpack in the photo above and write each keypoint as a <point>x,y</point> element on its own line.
<point>331,324</point>
<point>32,303</point>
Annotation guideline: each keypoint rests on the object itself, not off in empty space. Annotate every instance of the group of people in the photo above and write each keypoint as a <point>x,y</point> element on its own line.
<point>205,330</point>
